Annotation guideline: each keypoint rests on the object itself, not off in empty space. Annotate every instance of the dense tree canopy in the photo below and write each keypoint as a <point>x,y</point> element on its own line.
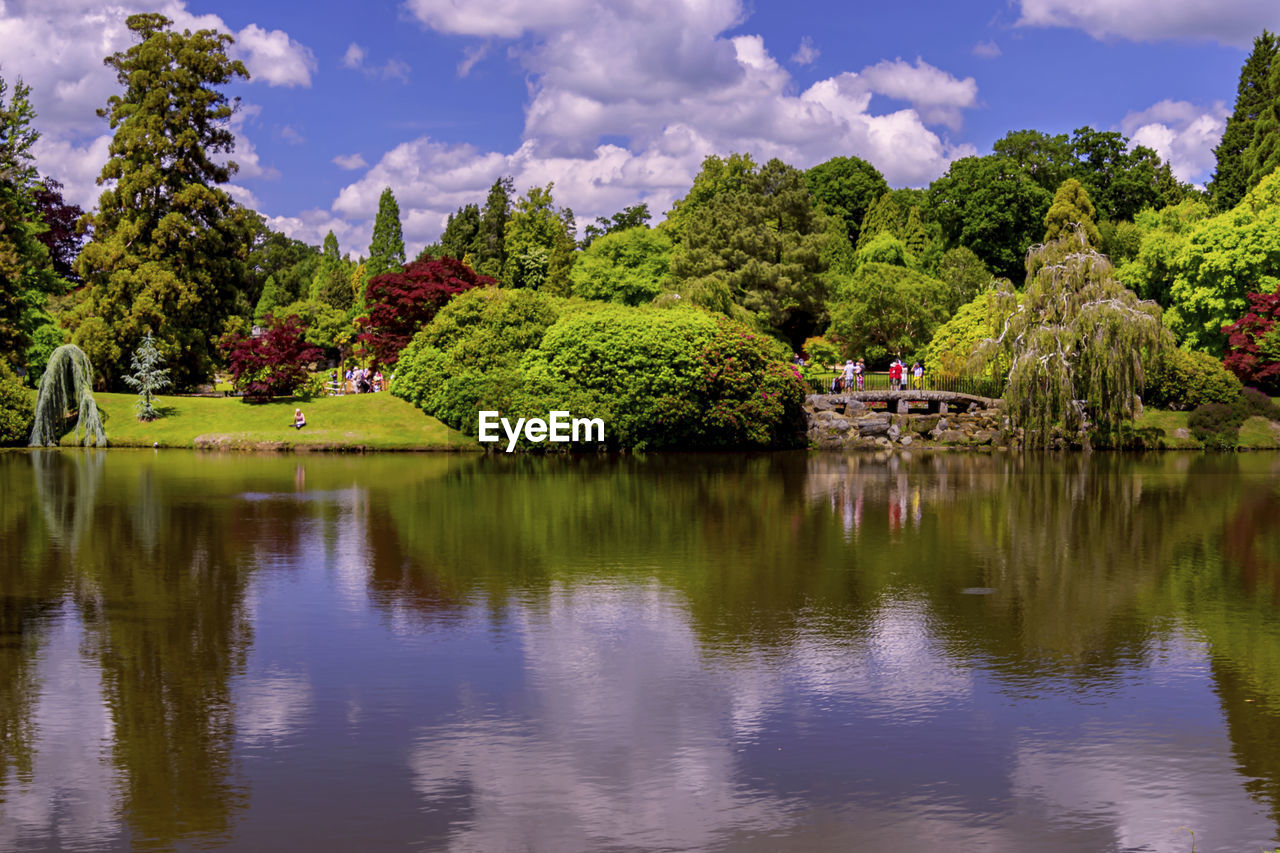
<point>1253,94</point>
<point>540,243</point>
<point>1071,209</point>
<point>1253,343</point>
<point>489,246</point>
<point>884,311</point>
<point>169,246</point>
<point>750,244</point>
<point>1263,155</point>
<point>633,216</point>
<point>992,206</point>
<point>846,187</point>
<point>627,266</point>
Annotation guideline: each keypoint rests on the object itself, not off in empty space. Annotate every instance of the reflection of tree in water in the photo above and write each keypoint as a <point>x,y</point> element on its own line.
<point>159,576</point>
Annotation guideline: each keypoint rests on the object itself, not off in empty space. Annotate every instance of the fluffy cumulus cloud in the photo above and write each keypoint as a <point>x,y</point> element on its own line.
<point>1183,133</point>
<point>393,69</point>
<point>57,47</point>
<point>627,100</point>
<point>1233,23</point>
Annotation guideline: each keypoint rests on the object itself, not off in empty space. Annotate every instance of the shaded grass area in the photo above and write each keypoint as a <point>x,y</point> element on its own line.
<point>1256,433</point>
<point>355,422</point>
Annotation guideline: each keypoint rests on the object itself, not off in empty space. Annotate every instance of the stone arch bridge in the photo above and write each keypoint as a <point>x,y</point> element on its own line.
<point>940,402</point>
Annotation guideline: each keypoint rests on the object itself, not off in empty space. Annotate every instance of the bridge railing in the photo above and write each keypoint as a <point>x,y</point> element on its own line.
<point>982,386</point>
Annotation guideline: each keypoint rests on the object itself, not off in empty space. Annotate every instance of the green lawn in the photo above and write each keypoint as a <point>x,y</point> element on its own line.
<point>354,422</point>
<point>1255,434</point>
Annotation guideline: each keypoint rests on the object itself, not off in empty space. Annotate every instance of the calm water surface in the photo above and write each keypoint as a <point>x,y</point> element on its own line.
<point>673,653</point>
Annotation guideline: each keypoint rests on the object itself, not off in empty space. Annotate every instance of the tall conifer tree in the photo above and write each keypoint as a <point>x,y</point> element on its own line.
<point>169,245</point>
<point>1253,94</point>
<point>386,249</point>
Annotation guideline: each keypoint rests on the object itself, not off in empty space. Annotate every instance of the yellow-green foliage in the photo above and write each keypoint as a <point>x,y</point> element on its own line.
<point>1181,380</point>
<point>17,408</point>
<point>951,351</point>
<point>1071,208</point>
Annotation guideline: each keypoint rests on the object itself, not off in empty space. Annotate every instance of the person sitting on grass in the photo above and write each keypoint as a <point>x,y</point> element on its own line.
<point>299,420</point>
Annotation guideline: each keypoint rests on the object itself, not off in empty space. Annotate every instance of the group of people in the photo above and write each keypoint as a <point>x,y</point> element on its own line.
<point>853,376</point>
<point>359,380</point>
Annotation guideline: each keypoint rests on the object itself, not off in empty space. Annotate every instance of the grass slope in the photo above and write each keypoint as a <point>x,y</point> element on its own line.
<point>355,422</point>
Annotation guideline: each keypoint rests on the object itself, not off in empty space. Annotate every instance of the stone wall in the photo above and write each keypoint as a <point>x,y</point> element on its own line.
<point>837,424</point>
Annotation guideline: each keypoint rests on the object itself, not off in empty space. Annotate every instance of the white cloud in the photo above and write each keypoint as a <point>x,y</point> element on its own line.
<point>664,80</point>
<point>274,57</point>
<point>1182,133</point>
<point>806,53</point>
<point>1234,23</point>
<point>935,94</point>
<point>57,47</point>
<point>394,69</point>
<point>987,49</point>
<point>354,57</point>
<point>349,162</point>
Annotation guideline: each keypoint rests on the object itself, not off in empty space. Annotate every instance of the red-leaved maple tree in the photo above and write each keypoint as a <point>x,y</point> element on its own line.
<point>273,364</point>
<point>401,303</point>
<point>1253,343</point>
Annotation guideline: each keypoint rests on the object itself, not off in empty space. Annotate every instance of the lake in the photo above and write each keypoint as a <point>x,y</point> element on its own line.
<point>675,652</point>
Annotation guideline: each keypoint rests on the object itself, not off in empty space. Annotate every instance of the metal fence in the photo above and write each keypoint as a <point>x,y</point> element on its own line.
<point>980,385</point>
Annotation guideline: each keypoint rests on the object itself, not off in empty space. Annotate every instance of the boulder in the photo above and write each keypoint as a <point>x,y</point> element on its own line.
<point>893,432</point>
<point>952,436</point>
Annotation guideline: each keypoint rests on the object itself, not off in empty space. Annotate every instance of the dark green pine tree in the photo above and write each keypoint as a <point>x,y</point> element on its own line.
<point>1263,156</point>
<point>489,248</point>
<point>1253,94</point>
<point>386,249</point>
<point>460,232</point>
<point>332,283</point>
<point>270,300</point>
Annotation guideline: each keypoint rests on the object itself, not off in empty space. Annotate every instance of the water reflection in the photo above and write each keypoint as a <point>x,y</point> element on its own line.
<point>670,652</point>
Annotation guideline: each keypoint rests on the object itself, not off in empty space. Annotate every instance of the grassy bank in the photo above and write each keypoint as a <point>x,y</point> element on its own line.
<point>355,422</point>
<point>1255,434</point>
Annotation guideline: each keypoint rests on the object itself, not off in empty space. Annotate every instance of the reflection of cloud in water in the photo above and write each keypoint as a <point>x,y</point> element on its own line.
<point>632,743</point>
<point>71,794</point>
<point>1147,781</point>
<point>272,707</point>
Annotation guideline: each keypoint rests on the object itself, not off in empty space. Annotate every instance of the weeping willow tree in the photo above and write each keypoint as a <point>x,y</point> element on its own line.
<point>66,385</point>
<point>1075,340</point>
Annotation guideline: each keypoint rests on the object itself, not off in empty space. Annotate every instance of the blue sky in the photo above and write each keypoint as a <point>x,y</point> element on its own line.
<point>618,101</point>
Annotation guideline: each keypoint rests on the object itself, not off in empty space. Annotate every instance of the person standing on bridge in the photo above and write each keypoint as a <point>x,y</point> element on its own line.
<point>849,373</point>
<point>859,370</point>
<point>895,374</point>
<point>917,376</point>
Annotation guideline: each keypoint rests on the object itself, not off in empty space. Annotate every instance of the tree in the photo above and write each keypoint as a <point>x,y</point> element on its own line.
<point>634,216</point>
<point>1253,92</point>
<point>1071,209</point>
<point>884,310</point>
<point>332,282</point>
<point>1076,341</point>
<point>990,205</point>
<point>626,266</point>
<point>62,238</point>
<point>1253,343</point>
<point>17,411</point>
<point>149,376</point>
<point>27,276</point>
<point>460,233</point>
<point>292,263</point>
<point>1263,156</point>
<point>169,246</point>
<point>1047,160</point>
<point>718,176</point>
<point>540,243</point>
<point>753,246</point>
<point>964,274</point>
<point>490,245</point>
<point>1121,180</point>
<point>273,363</point>
<point>846,187</point>
<point>1219,263</point>
<point>270,301</point>
<point>66,384</point>
<point>386,249</point>
<point>402,303</point>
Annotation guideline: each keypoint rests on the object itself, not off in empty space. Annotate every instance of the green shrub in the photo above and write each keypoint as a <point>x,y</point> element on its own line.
<point>1217,425</point>
<point>658,378</point>
<point>1183,379</point>
<point>17,408</point>
<point>311,388</point>
<point>1254,402</point>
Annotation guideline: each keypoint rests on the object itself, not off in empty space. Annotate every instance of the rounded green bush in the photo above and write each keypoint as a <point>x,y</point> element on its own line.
<point>17,408</point>
<point>1184,379</point>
